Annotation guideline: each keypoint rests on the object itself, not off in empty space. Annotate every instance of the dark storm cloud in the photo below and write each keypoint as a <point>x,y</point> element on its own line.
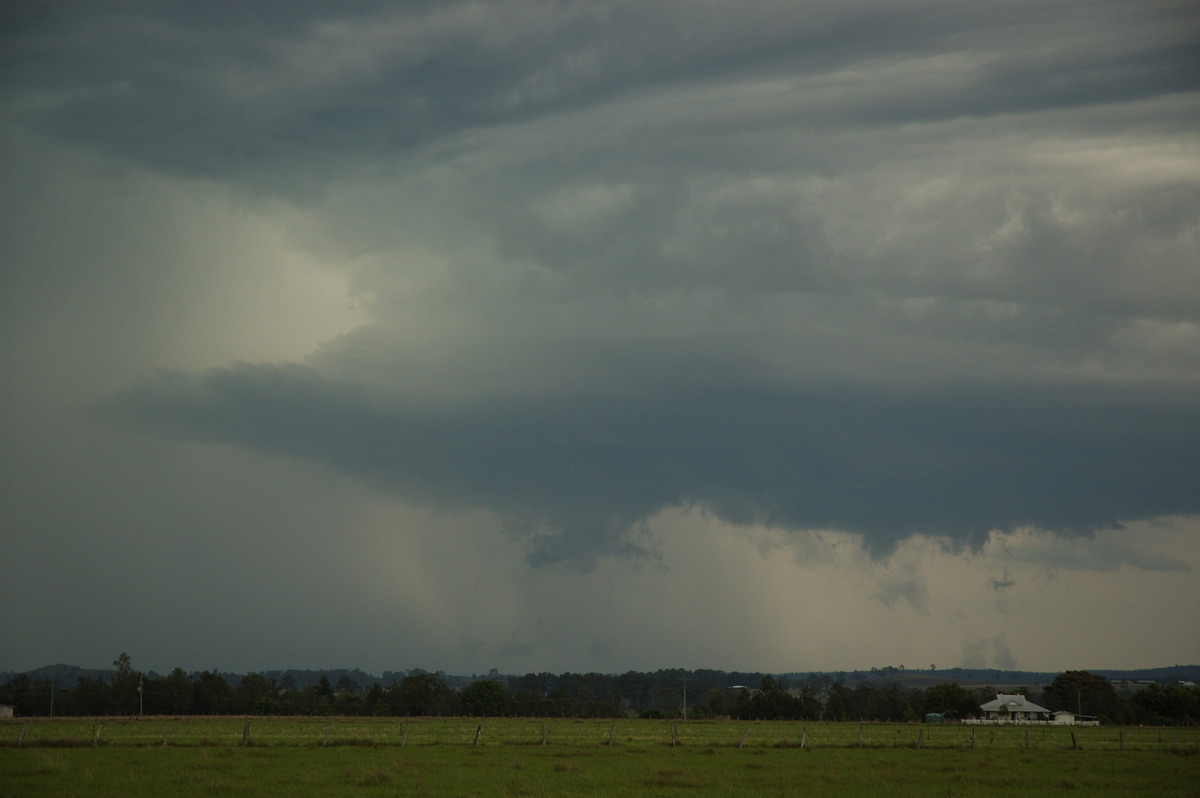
<point>578,477</point>
<point>351,286</point>
<point>249,93</point>
<point>889,269</point>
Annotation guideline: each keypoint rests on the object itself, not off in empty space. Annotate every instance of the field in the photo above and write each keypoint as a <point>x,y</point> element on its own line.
<point>443,757</point>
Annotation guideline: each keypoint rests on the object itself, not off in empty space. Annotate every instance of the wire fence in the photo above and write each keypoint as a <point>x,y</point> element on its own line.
<point>342,731</point>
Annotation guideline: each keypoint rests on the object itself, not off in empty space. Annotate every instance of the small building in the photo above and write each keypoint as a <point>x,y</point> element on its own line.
<point>7,710</point>
<point>1014,708</point>
<point>935,717</point>
<point>1065,718</point>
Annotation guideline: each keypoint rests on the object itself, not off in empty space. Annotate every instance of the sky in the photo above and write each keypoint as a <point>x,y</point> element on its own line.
<point>600,336</point>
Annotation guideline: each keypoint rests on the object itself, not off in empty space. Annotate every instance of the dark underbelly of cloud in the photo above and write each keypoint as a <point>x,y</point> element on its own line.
<point>577,477</point>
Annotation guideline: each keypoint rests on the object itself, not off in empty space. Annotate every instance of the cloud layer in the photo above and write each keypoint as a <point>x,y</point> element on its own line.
<point>577,475</point>
<point>569,269</point>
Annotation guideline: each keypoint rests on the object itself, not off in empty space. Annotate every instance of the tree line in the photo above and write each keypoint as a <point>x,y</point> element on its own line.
<point>662,694</point>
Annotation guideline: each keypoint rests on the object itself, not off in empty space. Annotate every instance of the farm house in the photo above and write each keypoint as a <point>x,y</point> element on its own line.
<point>1014,708</point>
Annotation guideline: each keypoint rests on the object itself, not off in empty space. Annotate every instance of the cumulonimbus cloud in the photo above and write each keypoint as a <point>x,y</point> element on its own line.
<point>824,265</point>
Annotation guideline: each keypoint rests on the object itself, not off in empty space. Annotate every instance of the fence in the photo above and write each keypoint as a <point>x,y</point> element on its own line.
<point>340,731</point>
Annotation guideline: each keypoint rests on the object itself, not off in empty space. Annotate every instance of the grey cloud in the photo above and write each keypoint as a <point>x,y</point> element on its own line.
<point>516,648</point>
<point>1058,551</point>
<point>907,585</point>
<point>772,263</point>
<point>850,266</point>
<point>575,478</point>
<point>987,652</point>
<point>251,94</point>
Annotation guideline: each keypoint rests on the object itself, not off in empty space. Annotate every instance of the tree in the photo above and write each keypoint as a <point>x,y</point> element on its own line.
<point>256,694</point>
<point>267,706</point>
<point>712,704</point>
<point>837,706</point>
<point>178,692</point>
<point>863,700</point>
<point>421,694</point>
<point>772,702</point>
<point>350,704</point>
<point>892,706</point>
<point>951,700</point>
<point>19,693</point>
<point>126,684</point>
<point>486,698</point>
<point>1086,694</point>
<point>809,706</point>
<point>92,696</point>
<point>43,696</point>
<point>376,700</point>
<point>210,694</point>
<point>1171,703</point>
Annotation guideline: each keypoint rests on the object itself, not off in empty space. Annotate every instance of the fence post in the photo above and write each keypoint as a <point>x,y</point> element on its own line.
<point>920,738</point>
<point>742,742</point>
<point>543,734</point>
<point>325,740</point>
<point>96,737</point>
<point>478,730</point>
<point>246,734</point>
<point>972,736</point>
<point>1074,742</point>
<point>612,734</point>
<point>403,735</point>
<point>164,735</point>
<point>1025,744</point>
<point>804,737</point>
<point>674,734</point>
<point>21,738</point>
<point>1121,739</point>
<point>860,734</point>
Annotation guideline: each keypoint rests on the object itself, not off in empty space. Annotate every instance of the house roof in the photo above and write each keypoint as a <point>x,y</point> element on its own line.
<point>1011,703</point>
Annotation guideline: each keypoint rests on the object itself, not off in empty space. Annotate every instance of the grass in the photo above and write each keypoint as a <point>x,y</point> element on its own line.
<point>364,757</point>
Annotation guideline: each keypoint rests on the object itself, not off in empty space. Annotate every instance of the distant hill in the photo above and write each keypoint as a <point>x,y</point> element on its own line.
<point>991,677</point>
<point>68,676</point>
<point>65,676</point>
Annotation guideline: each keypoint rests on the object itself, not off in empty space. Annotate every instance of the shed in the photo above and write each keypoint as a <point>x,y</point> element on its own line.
<point>7,710</point>
<point>1065,718</point>
<point>935,717</point>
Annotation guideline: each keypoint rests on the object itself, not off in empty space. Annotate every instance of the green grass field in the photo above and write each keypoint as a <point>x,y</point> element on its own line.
<point>439,757</point>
